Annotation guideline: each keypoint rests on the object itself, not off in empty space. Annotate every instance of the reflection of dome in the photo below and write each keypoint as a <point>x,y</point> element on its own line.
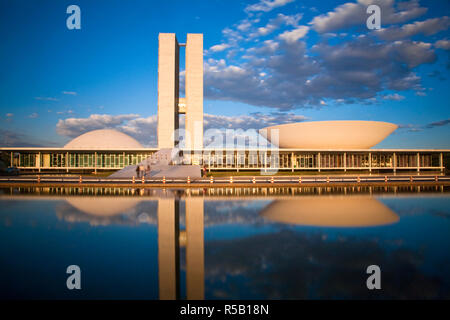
<point>329,134</point>
<point>103,206</point>
<point>348,211</point>
<point>104,139</point>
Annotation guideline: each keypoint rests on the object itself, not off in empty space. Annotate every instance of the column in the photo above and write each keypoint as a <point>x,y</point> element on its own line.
<point>194,90</point>
<point>95,162</point>
<point>395,162</point>
<point>168,89</point>
<point>195,268</point>
<point>345,161</point>
<point>441,162</point>
<point>265,161</point>
<point>209,161</point>
<point>370,162</point>
<point>293,161</point>
<point>318,161</point>
<point>418,162</point>
<point>168,248</point>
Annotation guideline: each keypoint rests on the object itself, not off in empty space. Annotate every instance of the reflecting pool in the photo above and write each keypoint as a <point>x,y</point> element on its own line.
<point>230,243</point>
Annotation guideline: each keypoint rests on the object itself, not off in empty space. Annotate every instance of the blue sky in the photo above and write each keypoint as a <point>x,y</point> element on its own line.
<point>266,62</point>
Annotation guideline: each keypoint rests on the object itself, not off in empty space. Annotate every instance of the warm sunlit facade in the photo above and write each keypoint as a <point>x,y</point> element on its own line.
<point>382,160</point>
<point>336,146</point>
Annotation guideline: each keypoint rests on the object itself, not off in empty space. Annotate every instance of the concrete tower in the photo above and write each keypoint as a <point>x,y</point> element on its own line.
<point>170,105</point>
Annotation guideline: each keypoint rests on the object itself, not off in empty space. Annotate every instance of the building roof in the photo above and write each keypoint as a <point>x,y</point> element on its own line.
<point>104,139</point>
<point>328,134</point>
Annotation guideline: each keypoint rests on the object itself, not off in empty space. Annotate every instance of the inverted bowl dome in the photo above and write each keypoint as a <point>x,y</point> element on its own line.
<point>329,134</point>
<point>348,211</point>
<point>103,139</point>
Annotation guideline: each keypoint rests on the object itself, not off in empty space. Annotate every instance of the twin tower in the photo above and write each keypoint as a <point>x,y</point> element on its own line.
<point>170,104</point>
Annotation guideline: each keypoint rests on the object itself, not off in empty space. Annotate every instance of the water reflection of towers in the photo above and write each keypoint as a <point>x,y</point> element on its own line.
<point>169,248</point>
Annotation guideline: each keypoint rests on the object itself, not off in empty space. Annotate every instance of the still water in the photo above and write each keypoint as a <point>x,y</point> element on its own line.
<point>253,243</point>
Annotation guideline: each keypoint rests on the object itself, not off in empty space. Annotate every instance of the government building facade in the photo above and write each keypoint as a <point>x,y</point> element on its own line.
<point>322,146</point>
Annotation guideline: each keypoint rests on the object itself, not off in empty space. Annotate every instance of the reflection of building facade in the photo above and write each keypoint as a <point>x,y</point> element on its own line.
<point>330,211</point>
<point>169,249</point>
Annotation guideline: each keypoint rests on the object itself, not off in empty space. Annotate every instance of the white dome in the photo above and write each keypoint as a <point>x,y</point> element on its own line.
<point>103,206</point>
<point>104,139</point>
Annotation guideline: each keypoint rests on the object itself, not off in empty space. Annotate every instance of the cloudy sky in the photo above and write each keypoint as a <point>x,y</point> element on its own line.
<point>266,62</point>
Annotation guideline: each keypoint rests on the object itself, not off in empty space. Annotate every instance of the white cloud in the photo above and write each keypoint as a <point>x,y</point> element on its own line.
<point>145,129</point>
<point>427,27</point>
<point>298,77</point>
<point>394,97</point>
<point>219,47</point>
<point>244,25</point>
<point>72,93</point>
<point>338,18</point>
<point>442,44</point>
<point>33,115</point>
<point>420,93</point>
<point>294,35</point>
<point>73,127</point>
<point>276,23</point>
<point>266,5</point>
<point>349,14</point>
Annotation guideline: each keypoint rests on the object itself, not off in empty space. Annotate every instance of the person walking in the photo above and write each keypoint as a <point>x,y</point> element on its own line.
<point>148,170</point>
<point>137,171</point>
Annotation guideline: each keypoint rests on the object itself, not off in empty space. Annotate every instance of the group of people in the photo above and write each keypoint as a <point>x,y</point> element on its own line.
<point>141,169</point>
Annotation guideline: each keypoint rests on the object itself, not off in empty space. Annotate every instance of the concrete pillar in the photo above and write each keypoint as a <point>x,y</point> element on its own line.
<point>168,248</point>
<point>293,161</point>
<point>168,90</point>
<point>265,161</point>
<point>39,162</point>
<point>395,162</point>
<point>441,162</point>
<point>345,161</point>
<point>194,90</point>
<point>318,161</point>
<point>95,162</point>
<point>195,265</point>
<point>418,162</point>
<point>370,162</point>
<point>209,161</point>
<point>12,159</point>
